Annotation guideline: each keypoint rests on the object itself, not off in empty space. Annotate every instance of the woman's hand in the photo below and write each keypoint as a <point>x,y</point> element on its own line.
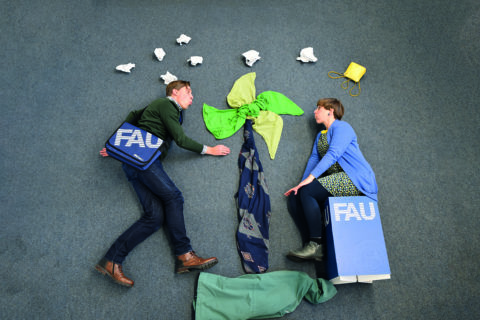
<point>295,190</point>
<point>218,150</point>
<point>103,152</point>
<point>307,180</point>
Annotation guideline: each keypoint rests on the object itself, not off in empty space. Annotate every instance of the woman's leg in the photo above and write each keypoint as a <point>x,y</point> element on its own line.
<point>312,197</point>
<point>295,209</point>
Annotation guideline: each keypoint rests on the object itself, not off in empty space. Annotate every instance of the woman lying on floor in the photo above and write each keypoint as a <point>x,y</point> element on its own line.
<point>336,168</point>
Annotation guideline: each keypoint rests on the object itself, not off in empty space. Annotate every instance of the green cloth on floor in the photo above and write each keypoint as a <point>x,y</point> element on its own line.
<point>242,91</point>
<point>257,296</point>
<point>224,123</point>
<point>269,125</point>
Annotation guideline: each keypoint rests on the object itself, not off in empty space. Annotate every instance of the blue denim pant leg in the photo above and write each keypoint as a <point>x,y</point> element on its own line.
<point>162,202</point>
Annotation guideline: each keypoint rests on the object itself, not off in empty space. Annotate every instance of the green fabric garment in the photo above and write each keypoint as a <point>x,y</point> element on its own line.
<point>243,92</point>
<point>269,125</point>
<point>257,296</point>
<point>161,118</point>
<point>224,123</point>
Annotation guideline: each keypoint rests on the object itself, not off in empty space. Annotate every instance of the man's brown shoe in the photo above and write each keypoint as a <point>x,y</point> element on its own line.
<point>190,261</point>
<point>114,271</point>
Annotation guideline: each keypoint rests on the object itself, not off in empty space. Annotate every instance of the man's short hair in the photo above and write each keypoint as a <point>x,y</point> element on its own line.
<point>177,84</point>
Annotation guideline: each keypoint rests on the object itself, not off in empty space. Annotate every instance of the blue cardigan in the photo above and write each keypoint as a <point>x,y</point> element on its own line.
<point>344,149</point>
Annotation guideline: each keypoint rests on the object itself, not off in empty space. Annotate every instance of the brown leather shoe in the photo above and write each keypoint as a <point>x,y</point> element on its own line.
<point>114,271</point>
<point>190,261</point>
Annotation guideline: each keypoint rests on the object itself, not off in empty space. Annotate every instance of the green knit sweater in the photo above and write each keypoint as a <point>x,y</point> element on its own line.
<point>161,118</point>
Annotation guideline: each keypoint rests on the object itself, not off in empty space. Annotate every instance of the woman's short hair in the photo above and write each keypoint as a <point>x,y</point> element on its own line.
<point>332,103</point>
<point>177,84</point>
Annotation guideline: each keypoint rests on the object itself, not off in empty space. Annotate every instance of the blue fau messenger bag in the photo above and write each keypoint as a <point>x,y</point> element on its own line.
<point>134,146</point>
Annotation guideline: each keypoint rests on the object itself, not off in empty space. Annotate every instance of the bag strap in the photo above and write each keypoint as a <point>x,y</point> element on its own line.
<point>339,75</point>
<point>345,84</point>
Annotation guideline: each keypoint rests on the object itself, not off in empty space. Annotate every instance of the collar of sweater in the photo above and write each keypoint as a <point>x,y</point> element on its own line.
<point>176,103</point>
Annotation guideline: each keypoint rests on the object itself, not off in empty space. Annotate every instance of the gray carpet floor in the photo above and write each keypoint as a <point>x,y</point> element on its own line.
<point>417,122</point>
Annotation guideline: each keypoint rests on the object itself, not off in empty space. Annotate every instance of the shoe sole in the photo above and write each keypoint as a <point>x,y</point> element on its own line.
<point>106,273</point>
<point>204,266</point>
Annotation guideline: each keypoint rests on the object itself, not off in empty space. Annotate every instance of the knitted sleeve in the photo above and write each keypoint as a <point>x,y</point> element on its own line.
<point>340,136</point>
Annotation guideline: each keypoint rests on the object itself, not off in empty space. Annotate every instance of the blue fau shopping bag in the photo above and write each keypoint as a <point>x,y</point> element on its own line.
<point>134,146</point>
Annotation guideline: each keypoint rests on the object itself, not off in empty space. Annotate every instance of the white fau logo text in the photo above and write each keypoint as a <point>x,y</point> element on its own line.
<point>135,137</point>
<point>349,210</point>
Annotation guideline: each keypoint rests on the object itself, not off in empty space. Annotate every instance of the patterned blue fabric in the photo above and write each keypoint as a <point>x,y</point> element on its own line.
<point>254,209</point>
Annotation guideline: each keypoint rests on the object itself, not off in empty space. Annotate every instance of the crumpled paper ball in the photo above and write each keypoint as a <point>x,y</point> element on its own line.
<point>168,77</point>
<point>125,67</point>
<point>251,57</point>
<point>306,55</point>
<point>194,60</point>
<point>159,53</point>
<point>183,39</point>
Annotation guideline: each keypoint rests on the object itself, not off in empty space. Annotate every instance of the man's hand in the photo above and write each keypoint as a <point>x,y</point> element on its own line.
<point>103,152</point>
<point>218,150</point>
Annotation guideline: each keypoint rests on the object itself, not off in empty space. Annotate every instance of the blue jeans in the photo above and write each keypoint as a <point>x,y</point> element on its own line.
<point>306,209</point>
<point>162,202</point>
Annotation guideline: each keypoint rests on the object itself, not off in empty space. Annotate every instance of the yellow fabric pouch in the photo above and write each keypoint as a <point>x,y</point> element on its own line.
<point>353,73</point>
